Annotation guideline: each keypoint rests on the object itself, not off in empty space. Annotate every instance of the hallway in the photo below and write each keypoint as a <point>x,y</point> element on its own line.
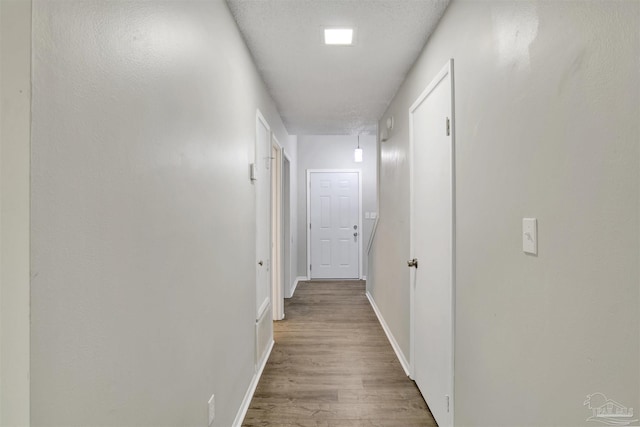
<point>332,365</point>
<point>155,212</point>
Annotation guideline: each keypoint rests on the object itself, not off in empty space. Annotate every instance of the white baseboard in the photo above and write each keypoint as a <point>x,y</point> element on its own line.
<point>242,412</point>
<point>392,340</point>
<point>295,284</point>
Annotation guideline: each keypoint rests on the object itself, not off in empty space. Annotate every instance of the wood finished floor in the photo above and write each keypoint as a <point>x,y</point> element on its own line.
<point>332,366</point>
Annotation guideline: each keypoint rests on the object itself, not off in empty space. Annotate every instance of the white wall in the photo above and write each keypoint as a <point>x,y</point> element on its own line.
<point>15,95</point>
<point>143,214</point>
<point>335,152</point>
<point>547,105</point>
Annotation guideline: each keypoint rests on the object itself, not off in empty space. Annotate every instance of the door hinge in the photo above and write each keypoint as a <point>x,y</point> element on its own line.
<point>309,226</point>
<point>448,406</point>
<point>310,267</point>
<point>448,127</point>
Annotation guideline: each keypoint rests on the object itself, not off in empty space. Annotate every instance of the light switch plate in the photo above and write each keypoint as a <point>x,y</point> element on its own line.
<point>374,215</point>
<point>367,215</point>
<point>530,235</point>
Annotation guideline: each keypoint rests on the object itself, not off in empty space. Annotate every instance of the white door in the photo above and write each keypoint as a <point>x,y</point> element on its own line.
<point>334,219</point>
<point>432,244</point>
<point>263,214</point>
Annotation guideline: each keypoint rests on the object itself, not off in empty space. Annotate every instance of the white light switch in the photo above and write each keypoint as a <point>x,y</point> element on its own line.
<point>374,215</point>
<point>367,215</point>
<point>530,235</point>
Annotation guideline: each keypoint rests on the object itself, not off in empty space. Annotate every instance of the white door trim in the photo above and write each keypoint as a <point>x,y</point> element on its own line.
<point>309,172</point>
<point>447,70</point>
<point>15,211</point>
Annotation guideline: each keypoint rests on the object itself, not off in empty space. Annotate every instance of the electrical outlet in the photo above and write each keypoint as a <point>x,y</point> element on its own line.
<point>212,408</point>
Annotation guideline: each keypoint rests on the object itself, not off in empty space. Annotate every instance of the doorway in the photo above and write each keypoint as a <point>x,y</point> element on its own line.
<point>334,206</point>
<point>286,223</point>
<point>277,282</point>
<point>432,243</point>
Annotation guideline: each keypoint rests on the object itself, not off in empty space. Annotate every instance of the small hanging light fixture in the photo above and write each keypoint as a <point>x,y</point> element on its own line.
<point>357,154</point>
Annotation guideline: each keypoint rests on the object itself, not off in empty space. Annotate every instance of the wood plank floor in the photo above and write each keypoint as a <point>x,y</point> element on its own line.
<point>332,366</point>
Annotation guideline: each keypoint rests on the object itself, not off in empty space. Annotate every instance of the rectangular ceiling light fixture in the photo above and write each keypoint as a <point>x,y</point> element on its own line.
<point>338,36</point>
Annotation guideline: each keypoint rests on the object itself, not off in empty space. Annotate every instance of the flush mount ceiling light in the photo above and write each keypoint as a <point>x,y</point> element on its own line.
<point>338,36</point>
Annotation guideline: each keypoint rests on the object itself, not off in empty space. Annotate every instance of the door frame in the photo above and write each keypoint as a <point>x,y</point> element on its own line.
<point>447,70</point>
<point>357,171</point>
<point>15,212</point>
<point>277,261</point>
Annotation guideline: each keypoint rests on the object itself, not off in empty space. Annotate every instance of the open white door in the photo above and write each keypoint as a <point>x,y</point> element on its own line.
<point>277,291</point>
<point>286,223</point>
<point>432,244</point>
<point>334,232</point>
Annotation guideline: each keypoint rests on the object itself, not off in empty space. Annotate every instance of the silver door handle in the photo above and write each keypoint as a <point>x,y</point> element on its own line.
<point>355,234</point>
<point>260,263</point>
<point>412,263</point>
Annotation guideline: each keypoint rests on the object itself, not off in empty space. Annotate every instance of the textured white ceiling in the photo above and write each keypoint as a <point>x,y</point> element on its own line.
<point>334,89</point>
